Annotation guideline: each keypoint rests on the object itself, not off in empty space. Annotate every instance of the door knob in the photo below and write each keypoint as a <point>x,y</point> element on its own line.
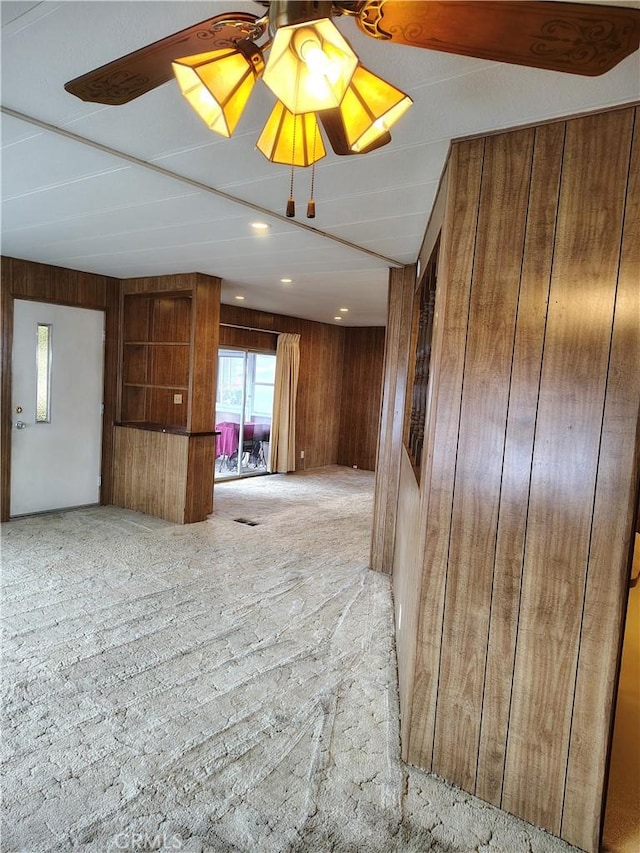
<point>20,425</point>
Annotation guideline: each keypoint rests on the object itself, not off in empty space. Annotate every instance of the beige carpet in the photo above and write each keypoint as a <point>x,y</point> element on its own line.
<point>217,687</point>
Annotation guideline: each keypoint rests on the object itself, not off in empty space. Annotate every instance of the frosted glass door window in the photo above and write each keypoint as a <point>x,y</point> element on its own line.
<point>43,373</point>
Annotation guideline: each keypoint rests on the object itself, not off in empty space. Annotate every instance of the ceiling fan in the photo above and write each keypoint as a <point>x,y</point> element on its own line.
<point>217,61</point>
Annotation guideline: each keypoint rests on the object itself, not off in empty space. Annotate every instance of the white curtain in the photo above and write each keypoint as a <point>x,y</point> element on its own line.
<point>282,457</point>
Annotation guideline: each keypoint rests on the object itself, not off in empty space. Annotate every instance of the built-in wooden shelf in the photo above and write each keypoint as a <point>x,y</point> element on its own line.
<point>164,428</point>
<point>164,451</point>
<point>156,358</point>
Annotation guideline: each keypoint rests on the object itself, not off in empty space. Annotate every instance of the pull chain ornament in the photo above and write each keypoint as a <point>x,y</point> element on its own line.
<point>311,206</point>
<point>291,204</point>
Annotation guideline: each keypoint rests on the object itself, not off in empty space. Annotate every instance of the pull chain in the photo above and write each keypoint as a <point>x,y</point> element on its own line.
<point>291,205</point>
<point>311,206</point>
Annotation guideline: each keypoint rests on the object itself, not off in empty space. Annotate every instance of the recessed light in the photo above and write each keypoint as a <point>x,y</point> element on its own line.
<point>240,298</point>
<point>344,310</point>
<point>286,280</point>
<point>337,318</point>
<point>260,226</point>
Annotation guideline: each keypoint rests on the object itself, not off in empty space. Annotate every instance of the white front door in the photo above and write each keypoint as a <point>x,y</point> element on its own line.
<point>56,436</point>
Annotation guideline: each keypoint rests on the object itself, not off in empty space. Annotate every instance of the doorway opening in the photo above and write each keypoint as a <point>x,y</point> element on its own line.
<point>244,408</point>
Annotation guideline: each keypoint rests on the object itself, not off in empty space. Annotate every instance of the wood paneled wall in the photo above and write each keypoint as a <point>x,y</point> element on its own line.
<point>231,336</point>
<point>161,474</point>
<point>323,394</point>
<point>528,489</point>
<point>361,391</point>
<point>394,390</point>
<point>319,382</point>
<point>42,283</point>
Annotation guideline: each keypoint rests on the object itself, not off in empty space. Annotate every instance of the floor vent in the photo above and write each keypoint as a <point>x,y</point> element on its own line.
<point>246,521</point>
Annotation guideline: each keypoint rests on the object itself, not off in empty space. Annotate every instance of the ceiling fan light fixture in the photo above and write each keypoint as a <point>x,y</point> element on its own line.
<point>218,84</point>
<point>310,66</point>
<point>370,107</point>
<point>293,140</point>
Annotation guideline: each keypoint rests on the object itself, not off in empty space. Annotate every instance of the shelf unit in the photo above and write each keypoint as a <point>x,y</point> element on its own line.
<point>164,440</point>
<point>156,358</point>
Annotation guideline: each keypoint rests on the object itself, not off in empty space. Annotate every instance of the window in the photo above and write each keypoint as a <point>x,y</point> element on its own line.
<point>264,377</point>
<point>244,404</point>
<point>415,417</point>
<point>43,373</point>
<point>230,381</point>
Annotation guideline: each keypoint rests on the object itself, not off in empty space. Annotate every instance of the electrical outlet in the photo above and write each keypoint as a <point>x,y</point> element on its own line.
<point>302,454</point>
<point>177,398</point>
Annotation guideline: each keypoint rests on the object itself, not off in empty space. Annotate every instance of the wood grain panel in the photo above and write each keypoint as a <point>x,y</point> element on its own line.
<point>452,310</point>
<point>167,365</point>
<point>360,398</point>
<point>150,472</point>
<point>43,283</point>
<point>395,371</point>
<point>161,408</point>
<point>481,437</point>
<point>230,336</point>
<point>40,282</point>
<point>135,369</point>
<point>407,573</point>
<point>200,467</point>
<point>112,348</point>
<point>204,354</point>
<point>134,403</point>
<point>136,319</point>
<point>160,283</point>
<point>564,465</point>
<point>319,395</point>
<point>611,541</point>
<point>436,218</point>
<point>171,319</point>
<point>406,580</point>
<point>523,399</point>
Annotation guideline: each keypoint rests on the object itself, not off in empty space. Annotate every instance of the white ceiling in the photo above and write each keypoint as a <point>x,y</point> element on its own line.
<point>188,206</point>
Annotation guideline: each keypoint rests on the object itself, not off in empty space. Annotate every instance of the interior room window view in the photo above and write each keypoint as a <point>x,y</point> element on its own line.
<point>244,406</point>
<point>320,474</point>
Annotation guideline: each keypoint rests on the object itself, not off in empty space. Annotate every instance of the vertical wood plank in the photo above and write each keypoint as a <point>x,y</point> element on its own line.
<point>110,394</point>
<point>452,310</point>
<point>199,484</point>
<point>150,472</point>
<point>231,336</point>
<point>565,455</point>
<point>408,578</point>
<point>481,437</point>
<point>204,354</point>
<point>360,396</point>
<point>611,540</point>
<point>406,585</point>
<point>523,399</point>
<point>396,364</point>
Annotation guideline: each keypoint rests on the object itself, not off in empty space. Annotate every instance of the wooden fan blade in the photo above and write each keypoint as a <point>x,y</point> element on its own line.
<point>132,75</point>
<point>580,38</point>
<point>334,128</point>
